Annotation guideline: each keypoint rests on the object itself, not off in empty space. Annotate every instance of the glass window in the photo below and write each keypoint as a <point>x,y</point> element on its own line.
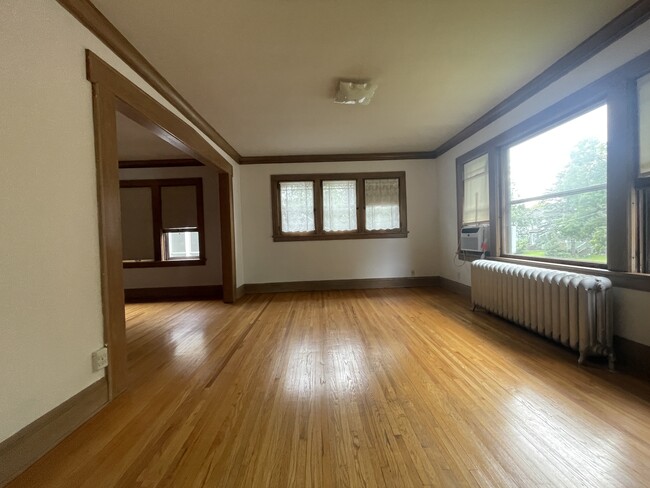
<point>557,192</point>
<point>339,205</point>
<point>476,206</point>
<point>182,244</point>
<point>382,204</point>
<point>297,206</point>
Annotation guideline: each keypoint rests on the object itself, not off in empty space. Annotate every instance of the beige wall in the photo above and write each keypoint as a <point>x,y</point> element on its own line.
<point>633,307</point>
<point>210,274</point>
<point>268,261</point>
<point>50,301</point>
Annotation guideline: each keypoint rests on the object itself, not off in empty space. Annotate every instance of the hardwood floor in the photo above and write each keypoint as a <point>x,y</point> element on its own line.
<point>398,388</point>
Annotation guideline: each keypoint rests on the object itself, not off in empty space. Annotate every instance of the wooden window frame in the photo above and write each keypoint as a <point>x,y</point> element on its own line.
<point>156,186</point>
<point>321,235</point>
<point>626,245</point>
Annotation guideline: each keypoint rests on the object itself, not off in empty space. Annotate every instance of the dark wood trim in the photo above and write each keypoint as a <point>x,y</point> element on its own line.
<point>627,21</point>
<point>159,163</point>
<point>319,234</point>
<point>332,158</point>
<point>112,92</point>
<point>455,287</point>
<point>227,223</point>
<point>100,26</point>
<point>172,263</point>
<point>632,357</point>
<point>175,293</point>
<point>143,109</point>
<point>356,284</point>
<point>25,447</point>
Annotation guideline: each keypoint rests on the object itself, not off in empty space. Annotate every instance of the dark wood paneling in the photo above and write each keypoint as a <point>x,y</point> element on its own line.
<point>611,32</point>
<point>159,163</point>
<point>632,357</point>
<point>135,295</point>
<point>22,449</point>
<point>359,284</point>
<point>331,158</point>
<point>140,107</point>
<point>99,25</point>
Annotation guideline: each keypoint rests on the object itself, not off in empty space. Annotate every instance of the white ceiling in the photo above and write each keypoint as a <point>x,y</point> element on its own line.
<point>135,143</point>
<point>263,72</point>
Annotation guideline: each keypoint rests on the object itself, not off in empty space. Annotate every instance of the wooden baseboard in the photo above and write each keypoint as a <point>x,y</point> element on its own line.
<point>455,287</point>
<point>25,447</point>
<point>240,291</point>
<point>212,292</point>
<point>292,286</point>
<point>632,357</point>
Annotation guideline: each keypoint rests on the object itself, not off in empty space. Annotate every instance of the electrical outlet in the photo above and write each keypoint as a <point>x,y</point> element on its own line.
<point>100,359</point>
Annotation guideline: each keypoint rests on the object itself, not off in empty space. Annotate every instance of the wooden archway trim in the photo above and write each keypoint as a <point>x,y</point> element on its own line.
<point>113,92</point>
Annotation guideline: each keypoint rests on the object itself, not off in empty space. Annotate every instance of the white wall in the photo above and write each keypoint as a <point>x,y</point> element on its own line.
<point>268,261</point>
<point>50,301</point>
<point>633,307</point>
<point>210,273</point>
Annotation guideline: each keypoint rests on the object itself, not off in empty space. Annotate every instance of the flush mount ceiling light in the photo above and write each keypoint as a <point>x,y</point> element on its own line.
<point>355,92</point>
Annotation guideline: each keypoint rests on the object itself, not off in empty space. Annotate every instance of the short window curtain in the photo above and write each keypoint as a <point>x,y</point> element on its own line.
<point>339,205</point>
<point>382,204</point>
<point>297,199</point>
<point>476,207</point>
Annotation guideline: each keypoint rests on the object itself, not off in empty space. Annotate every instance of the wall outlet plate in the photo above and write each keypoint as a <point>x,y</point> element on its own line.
<point>100,359</point>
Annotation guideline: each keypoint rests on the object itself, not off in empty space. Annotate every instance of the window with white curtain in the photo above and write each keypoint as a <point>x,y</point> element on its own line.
<point>476,206</point>
<point>382,204</point>
<point>297,203</point>
<point>339,206</point>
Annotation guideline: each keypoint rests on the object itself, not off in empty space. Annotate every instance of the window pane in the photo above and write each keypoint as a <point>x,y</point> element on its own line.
<point>643,86</point>
<point>382,204</point>
<point>476,207</point>
<point>297,206</point>
<point>137,224</point>
<point>339,205</point>
<point>558,192</point>
<point>182,245</point>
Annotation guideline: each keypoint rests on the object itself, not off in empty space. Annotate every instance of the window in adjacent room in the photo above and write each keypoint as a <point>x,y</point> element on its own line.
<point>338,206</point>
<point>162,222</point>
<point>556,192</point>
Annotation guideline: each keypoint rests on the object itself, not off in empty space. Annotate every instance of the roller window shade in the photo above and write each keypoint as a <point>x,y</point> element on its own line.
<point>476,206</point>
<point>643,86</point>
<point>137,224</point>
<point>178,205</point>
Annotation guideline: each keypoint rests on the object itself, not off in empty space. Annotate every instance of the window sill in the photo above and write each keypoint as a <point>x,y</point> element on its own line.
<point>164,264</point>
<point>338,237</point>
<point>620,279</point>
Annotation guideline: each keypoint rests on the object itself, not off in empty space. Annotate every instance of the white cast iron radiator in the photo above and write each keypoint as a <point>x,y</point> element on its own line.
<point>570,308</point>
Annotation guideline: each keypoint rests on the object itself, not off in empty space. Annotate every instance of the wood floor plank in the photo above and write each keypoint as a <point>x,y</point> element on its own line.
<point>358,388</point>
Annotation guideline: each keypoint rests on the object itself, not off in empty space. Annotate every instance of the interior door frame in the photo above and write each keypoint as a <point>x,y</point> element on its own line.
<point>112,92</point>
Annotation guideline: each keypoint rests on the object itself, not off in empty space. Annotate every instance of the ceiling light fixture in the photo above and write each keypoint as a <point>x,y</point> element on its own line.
<point>355,92</point>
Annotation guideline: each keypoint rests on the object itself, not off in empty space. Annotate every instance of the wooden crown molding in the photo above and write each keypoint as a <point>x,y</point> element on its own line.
<point>631,18</point>
<point>159,163</point>
<point>101,27</point>
<point>333,158</point>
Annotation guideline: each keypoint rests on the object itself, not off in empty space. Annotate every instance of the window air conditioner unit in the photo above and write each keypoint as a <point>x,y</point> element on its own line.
<point>474,238</point>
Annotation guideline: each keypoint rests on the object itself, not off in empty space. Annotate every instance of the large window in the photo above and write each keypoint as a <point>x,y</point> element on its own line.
<point>338,206</point>
<point>162,222</point>
<point>556,192</point>
<point>570,185</point>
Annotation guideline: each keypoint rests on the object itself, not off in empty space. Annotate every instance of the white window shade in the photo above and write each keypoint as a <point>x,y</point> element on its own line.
<point>382,204</point>
<point>179,207</point>
<point>476,207</point>
<point>297,206</point>
<point>643,86</point>
<point>339,205</point>
<point>137,224</point>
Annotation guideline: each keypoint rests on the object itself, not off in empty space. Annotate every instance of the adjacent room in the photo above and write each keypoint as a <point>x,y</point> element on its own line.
<point>325,244</point>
